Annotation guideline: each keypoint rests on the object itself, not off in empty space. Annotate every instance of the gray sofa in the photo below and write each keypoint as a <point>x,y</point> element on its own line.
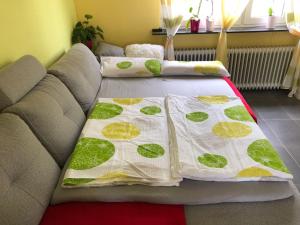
<point>41,116</point>
<point>40,121</point>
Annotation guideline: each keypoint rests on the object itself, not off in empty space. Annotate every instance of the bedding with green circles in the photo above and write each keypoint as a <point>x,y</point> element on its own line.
<point>148,140</point>
<point>216,139</point>
<point>124,140</point>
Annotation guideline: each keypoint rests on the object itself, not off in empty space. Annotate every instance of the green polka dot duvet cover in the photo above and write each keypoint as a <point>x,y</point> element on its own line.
<point>124,141</point>
<point>161,141</point>
<point>216,139</point>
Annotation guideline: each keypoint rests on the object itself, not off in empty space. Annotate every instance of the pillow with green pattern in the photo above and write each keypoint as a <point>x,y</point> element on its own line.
<point>130,67</point>
<point>215,68</point>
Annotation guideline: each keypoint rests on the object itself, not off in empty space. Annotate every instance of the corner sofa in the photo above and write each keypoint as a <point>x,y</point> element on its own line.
<point>42,114</point>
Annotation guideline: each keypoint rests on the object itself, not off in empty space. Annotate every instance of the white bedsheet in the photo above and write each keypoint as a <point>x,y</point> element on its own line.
<point>161,87</point>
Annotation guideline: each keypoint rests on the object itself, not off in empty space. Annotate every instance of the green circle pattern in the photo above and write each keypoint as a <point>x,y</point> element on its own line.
<point>77,181</point>
<point>211,160</point>
<point>263,152</point>
<point>151,150</point>
<point>197,116</point>
<point>91,152</point>
<point>150,110</point>
<point>153,66</point>
<point>124,65</point>
<point>105,111</point>
<point>238,113</point>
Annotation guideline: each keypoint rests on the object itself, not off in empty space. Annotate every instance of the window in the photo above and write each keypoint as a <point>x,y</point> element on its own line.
<point>208,8</point>
<point>255,14</point>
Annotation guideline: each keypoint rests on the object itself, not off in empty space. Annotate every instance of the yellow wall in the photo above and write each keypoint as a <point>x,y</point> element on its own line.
<point>38,27</point>
<point>130,21</point>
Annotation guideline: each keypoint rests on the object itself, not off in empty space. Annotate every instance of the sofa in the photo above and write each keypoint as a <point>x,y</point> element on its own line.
<point>42,113</point>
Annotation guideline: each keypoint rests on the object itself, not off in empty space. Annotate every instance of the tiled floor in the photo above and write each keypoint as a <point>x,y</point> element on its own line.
<point>279,118</point>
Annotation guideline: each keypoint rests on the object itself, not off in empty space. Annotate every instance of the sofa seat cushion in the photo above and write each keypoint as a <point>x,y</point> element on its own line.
<point>54,116</point>
<point>79,70</point>
<point>19,78</point>
<point>114,214</point>
<point>28,174</point>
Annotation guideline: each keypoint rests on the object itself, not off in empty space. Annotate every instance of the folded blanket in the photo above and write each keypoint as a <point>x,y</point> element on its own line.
<point>124,141</point>
<point>215,139</point>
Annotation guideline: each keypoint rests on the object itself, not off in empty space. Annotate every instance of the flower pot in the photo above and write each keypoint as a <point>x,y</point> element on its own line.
<point>195,24</point>
<point>89,44</point>
<point>271,22</point>
<point>210,25</point>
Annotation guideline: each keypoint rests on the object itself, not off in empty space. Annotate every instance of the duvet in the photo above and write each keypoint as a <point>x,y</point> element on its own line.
<point>214,138</point>
<point>125,141</point>
<point>160,141</point>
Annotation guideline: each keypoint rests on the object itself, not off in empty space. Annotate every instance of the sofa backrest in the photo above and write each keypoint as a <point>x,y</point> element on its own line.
<point>79,70</point>
<point>46,105</point>
<point>12,87</point>
<point>28,174</point>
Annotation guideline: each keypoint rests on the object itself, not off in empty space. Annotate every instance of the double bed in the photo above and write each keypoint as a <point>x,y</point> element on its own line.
<point>192,202</point>
<point>254,203</point>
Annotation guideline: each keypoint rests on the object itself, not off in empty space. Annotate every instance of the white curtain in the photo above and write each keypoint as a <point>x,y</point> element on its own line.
<point>292,78</point>
<point>231,11</point>
<point>172,18</point>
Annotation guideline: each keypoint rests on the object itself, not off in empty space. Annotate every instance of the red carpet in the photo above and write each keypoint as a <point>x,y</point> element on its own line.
<point>113,214</point>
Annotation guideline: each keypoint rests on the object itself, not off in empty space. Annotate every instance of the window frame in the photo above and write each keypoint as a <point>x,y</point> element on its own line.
<point>245,21</point>
<point>248,21</point>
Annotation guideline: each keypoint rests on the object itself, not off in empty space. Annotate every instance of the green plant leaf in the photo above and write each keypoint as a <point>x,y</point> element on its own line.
<point>270,11</point>
<point>78,25</point>
<point>99,29</point>
<point>88,16</point>
<point>100,35</point>
<point>190,9</point>
<point>188,24</point>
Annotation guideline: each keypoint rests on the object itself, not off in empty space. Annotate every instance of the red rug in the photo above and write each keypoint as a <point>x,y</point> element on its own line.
<point>113,214</point>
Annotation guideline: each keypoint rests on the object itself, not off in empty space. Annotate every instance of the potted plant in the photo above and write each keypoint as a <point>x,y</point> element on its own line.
<point>271,19</point>
<point>210,19</point>
<point>194,21</point>
<point>85,33</point>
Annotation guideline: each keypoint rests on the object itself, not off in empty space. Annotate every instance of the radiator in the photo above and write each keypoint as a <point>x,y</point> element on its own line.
<point>250,68</point>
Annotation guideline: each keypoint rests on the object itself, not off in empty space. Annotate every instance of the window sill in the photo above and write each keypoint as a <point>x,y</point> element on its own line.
<point>161,31</point>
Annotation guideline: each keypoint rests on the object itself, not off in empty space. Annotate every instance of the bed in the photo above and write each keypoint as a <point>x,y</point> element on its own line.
<point>241,203</point>
<point>236,198</point>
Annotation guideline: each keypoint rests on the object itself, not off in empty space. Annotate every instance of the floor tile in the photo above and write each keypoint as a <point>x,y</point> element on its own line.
<point>279,118</point>
<point>293,110</point>
<point>288,158</point>
<point>288,131</point>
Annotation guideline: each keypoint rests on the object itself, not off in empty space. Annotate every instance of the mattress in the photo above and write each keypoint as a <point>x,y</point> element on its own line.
<point>161,87</point>
<point>189,192</point>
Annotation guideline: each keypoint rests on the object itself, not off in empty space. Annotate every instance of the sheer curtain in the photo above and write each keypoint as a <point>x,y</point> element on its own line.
<point>292,78</point>
<point>231,11</point>
<point>172,18</point>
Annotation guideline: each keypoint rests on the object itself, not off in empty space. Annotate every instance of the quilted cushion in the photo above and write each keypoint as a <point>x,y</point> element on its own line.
<point>79,70</point>
<point>106,49</point>
<point>19,78</point>
<point>53,115</point>
<point>28,174</point>
<point>145,51</point>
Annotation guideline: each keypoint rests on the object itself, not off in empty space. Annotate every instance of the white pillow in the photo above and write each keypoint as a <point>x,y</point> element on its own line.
<point>130,67</point>
<point>145,51</point>
<point>195,68</point>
